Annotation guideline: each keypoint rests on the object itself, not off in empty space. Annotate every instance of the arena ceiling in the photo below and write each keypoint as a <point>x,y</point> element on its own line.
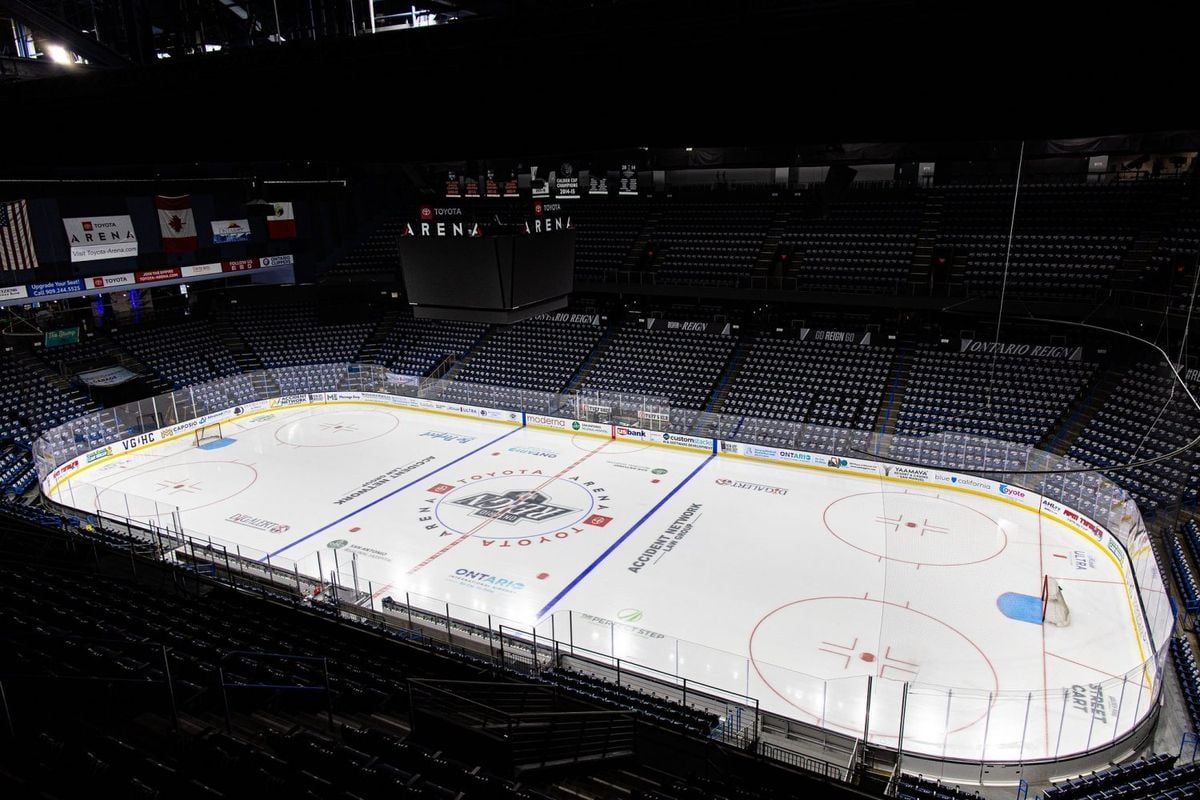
<point>505,78</point>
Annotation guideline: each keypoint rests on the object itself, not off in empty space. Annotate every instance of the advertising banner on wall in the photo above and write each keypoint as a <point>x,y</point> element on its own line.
<point>96,238</point>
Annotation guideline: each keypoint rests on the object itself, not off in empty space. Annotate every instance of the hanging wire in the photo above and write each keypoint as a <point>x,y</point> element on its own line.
<point>1012,224</point>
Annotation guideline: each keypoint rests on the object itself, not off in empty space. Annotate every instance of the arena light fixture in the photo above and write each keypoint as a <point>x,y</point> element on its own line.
<point>58,54</point>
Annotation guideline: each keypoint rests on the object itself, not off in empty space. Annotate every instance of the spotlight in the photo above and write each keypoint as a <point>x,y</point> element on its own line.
<point>58,54</point>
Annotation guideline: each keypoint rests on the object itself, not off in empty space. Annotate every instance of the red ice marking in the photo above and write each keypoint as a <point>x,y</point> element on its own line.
<point>495,454</point>
<point>910,524</point>
<point>599,520</point>
<point>543,575</point>
<point>655,480</point>
<point>355,530</point>
<point>1059,555</point>
<point>486,522</point>
<point>888,655</point>
<point>867,657</point>
<point>441,488</point>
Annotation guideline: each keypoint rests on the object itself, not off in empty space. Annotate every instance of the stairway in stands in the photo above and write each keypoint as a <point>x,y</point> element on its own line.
<point>585,368</point>
<point>1136,262</point>
<point>30,363</point>
<point>247,360</point>
<point>1078,416</point>
<point>920,279</point>
<point>733,368</point>
<point>370,352</point>
<point>763,272</point>
<point>897,382</point>
<point>640,244</point>
<point>472,351</point>
<point>244,355</point>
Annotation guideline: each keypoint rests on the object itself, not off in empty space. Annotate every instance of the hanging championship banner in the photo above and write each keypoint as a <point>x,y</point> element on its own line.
<point>471,187</point>
<point>453,185</point>
<point>597,181</point>
<point>628,185</point>
<point>491,189</point>
<point>539,182</point>
<point>511,186</point>
<point>566,181</point>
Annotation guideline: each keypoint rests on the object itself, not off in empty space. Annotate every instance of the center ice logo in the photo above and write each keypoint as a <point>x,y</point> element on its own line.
<point>514,507</point>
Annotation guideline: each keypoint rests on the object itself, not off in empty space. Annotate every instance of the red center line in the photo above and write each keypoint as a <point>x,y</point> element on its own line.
<point>1045,680</point>
<point>451,545</point>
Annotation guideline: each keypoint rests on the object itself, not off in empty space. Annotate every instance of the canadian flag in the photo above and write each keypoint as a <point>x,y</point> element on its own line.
<point>281,222</point>
<point>176,222</point>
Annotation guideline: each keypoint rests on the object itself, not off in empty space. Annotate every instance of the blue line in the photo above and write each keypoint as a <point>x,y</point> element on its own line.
<point>390,494</point>
<point>626,535</point>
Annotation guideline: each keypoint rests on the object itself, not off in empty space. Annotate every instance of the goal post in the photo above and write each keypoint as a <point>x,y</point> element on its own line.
<point>1054,606</point>
<point>207,433</point>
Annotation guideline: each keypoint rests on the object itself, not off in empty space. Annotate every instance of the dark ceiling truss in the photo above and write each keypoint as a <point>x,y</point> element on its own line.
<point>62,32</point>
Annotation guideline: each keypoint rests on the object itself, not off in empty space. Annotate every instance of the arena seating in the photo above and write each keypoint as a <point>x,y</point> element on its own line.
<point>833,384</point>
<point>605,233</point>
<point>1068,237</point>
<point>415,346</point>
<point>1185,577</point>
<point>1028,395</point>
<point>863,243</point>
<point>182,353</point>
<point>375,255</point>
<point>1171,269</point>
<point>299,763</point>
<point>910,787</point>
<point>79,634</point>
<point>31,402</point>
<point>1142,416</point>
<point>1153,777</point>
<point>1190,533</point>
<point>652,707</point>
<point>708,242</point>
<point>680,366</point>
<point>1187,669</point>
<point>292,335</point>
<point>702,787</point>
<point>538,355</point>
<point>89,352</point>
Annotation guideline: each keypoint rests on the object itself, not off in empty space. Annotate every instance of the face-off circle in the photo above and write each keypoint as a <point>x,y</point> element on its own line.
<point>911,528</point>
<point>152,492</point>
<point>523,507</point>
<point>846,639</point>
<point>336,428</point>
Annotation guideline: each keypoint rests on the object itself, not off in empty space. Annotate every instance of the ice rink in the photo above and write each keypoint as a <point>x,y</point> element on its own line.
<point>791,585</point>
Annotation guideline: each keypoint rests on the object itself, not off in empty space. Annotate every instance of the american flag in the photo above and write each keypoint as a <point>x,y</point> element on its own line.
<point>16,239</point>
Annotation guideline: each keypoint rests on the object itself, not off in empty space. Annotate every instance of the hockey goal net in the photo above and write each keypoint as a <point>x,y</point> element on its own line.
<point>1054,606</point>
<point>208,433</point>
